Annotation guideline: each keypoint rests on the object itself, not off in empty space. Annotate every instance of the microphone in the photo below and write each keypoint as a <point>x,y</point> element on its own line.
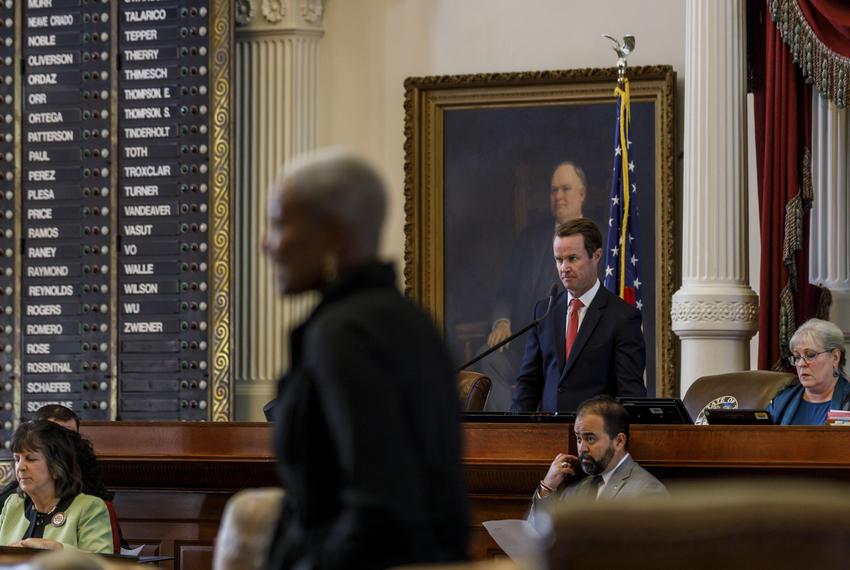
<point>553,292</point>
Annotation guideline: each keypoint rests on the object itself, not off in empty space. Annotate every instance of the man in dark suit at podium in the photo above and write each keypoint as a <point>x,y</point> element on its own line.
<point>591,342</point>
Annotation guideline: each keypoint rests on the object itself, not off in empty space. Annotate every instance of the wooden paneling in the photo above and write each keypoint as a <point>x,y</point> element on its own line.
<point>173,479</point>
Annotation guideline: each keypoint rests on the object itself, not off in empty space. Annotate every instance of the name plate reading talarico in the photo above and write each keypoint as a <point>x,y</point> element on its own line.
<point>115,208</point>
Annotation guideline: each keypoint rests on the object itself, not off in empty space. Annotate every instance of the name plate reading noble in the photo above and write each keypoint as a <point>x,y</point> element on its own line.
<point>158,189</point>
<point>152,229</point>
<point>53,328</point>
<point>54,192</point>
<point>53,78</point>
<point>52,251</point>
<point>53,175</point>
<point>52,309</point>
<point>52,271</point>
<point>151,132</point>
<point>149,287</point>
<point>149,346</point>
<point>131,384</point>
<point>40,4</point>
<point>52,387</point>
<point>149,15</point>
<point>158,268</point>
<point>52,367</point>
<point>57,59</point>
<point>149,150</point>
<point>150,210</point>
<point>52,348</point>
<point>51,290</point>
<point>53,136</point>
<point>149,54</point>
<point>59,231</point>
<point>73,154</point>
<point>150,366</point>
<point>151,248</point>
<point>148,93</point>
<point>58,213</point>
<point>52,21</point>
<point>52,39</point>
<point>158,34</point>
<point>149,307</point>
<point>164,326</point>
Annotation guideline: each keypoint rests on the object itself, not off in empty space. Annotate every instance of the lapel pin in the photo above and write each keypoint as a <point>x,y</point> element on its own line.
<point>58,519</point>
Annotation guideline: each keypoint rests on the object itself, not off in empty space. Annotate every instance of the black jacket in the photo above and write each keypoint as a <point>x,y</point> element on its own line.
<point>367,435</point>
<point>608,357</point>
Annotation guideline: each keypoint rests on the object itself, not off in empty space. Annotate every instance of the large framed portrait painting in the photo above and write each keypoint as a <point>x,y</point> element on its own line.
<point>493,162</point>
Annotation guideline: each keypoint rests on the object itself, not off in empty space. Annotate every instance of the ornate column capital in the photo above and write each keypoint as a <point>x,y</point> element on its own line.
<point>280,16</point>
<point>715,312</point>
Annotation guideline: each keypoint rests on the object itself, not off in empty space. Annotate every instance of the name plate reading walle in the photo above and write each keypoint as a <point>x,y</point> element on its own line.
<point>115,209</point>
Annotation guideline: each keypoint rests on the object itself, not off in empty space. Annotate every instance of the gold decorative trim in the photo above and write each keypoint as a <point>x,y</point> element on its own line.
<point>821,66</point>
<point>221,139</point>
<point>426,99</point>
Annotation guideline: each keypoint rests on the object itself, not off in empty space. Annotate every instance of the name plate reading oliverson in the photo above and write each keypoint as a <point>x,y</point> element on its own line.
<point>107,274</point>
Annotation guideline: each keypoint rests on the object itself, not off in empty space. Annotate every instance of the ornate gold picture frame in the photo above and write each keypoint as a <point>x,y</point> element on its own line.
<point>480,152</point>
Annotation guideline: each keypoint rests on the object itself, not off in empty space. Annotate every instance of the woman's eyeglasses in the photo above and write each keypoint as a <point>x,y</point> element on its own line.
<point>809,357</point>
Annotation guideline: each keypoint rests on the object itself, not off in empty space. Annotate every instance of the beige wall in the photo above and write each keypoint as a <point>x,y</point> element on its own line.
<point>371,46</point>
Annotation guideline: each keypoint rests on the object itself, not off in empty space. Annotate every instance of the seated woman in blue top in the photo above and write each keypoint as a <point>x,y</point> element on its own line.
<point>818,353</point>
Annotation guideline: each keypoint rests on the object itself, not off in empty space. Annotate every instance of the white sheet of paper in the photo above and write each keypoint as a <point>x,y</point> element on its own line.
<point>517,538</point>
<point>133,551</point>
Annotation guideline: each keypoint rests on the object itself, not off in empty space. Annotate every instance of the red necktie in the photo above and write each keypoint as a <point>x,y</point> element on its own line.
<point>572,324</point>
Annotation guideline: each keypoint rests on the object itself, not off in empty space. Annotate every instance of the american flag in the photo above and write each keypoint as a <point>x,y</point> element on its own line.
<point>622,265</point>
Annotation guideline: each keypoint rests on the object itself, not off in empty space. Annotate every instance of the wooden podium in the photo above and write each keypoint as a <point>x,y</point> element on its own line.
<point>173,479</point>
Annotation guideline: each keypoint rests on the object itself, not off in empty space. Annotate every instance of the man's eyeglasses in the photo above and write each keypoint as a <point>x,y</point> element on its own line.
<point>809,357</point>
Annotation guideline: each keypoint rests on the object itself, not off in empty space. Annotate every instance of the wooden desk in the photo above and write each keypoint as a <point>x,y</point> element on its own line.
<point>172,479</point>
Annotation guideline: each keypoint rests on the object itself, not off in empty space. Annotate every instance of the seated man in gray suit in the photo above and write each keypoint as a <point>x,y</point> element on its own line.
<point>602,437</point>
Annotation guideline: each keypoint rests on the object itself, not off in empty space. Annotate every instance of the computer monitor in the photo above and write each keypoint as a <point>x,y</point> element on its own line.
<point>656,411</point>
<point>738,417</point>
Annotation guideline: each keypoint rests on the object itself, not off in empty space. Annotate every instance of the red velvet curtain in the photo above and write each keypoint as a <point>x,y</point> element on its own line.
<point>783,141</point>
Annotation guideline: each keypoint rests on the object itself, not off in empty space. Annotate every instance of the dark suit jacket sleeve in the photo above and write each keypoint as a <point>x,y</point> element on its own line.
<point>376,456</point>
<point>630,357</point>
<point>529,387</point>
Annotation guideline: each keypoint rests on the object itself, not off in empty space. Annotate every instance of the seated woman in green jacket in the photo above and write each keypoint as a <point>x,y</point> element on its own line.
<point>49,511</point>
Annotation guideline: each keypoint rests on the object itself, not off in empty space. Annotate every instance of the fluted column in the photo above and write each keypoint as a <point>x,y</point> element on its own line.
<point>829,230</point>
<point>275,115</point>
<point>715,312</point>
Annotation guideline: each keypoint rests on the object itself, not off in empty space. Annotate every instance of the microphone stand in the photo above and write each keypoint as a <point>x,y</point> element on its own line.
<point>553,292</point>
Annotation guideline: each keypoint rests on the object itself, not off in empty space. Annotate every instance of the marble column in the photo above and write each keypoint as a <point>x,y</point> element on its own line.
<point>275,117</point>
<point>715,312</point>
<point>829,231</point>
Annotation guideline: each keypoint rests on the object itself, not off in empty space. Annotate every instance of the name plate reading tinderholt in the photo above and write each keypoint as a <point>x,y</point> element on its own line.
<point>105,288</point>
